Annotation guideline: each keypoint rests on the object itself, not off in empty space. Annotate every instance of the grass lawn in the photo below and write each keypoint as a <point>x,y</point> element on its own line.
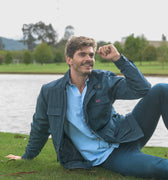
<point>45,166</point>
<point>152,68</point>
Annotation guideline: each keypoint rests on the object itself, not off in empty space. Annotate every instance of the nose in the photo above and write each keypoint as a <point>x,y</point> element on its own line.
<point>88,57</point>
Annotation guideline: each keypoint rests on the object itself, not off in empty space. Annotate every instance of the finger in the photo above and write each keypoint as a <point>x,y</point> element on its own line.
<point>11,156</point>
<point>108,50</point>
<point>100,51</point>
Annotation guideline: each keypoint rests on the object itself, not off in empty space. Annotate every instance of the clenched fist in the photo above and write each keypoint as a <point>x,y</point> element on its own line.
<point>109,52</point>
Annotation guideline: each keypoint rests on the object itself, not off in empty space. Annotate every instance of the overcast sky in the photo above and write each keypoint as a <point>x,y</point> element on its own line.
<point>108,20</point>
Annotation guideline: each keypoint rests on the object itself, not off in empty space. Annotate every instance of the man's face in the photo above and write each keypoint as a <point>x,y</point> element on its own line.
<point>82,62</point>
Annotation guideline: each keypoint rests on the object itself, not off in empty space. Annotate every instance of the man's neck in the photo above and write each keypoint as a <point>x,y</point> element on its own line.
<point>79,81</point>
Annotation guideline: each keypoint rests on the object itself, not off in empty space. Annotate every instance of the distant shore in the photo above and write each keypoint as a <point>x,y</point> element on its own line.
<point>147,68</point>
<point>54,73</point>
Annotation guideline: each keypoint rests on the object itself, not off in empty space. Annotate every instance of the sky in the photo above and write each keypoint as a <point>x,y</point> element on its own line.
<point>103,20</point>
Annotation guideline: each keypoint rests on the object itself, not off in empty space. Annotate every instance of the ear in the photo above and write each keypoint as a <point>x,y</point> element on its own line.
<point>68,60</point>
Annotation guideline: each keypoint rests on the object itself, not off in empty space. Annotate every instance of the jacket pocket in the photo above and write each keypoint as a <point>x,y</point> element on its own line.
<point>56,124</point>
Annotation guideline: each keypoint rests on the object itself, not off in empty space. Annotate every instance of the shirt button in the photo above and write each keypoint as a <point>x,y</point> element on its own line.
<point>107,147</point>
<point>98,139</point>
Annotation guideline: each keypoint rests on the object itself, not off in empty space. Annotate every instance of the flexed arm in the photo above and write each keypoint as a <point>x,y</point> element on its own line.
<point>134,85</point>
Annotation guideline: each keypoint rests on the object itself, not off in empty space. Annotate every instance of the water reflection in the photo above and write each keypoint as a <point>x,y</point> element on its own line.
<point>18,94</point>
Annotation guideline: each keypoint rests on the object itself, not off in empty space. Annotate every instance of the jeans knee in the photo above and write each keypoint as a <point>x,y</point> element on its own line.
<point>160,89</point>
<point>160,86</point>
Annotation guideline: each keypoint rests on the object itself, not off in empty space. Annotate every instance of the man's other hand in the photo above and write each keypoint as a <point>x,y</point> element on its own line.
<point>13,157</point>
<point>109,52</point>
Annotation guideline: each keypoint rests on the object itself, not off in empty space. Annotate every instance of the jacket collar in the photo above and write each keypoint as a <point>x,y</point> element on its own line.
<point>93,80</point>
<point>66,79</point>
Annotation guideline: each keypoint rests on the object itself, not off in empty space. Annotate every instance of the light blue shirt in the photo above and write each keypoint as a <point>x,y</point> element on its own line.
<point>91,147</point>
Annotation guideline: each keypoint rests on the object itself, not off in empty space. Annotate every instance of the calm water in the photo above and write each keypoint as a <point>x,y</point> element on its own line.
<point>18,95</point>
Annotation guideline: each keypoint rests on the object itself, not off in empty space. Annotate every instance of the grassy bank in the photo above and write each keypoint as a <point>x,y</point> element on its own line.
<point>152,68</point>
<point>45,165</point>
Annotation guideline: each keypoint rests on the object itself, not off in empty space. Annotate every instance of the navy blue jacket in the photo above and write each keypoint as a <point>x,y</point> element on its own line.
<point>104,87</point>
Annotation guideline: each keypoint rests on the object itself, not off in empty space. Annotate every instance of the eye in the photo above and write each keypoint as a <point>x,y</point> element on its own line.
<point>91,55</point>
<point>82,54</point>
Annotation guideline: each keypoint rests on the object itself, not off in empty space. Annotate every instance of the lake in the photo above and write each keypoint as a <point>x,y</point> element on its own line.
<point>18,94</point>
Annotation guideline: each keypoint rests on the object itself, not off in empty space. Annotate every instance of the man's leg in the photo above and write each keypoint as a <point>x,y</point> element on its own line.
<point>128,158</point>
<point>148,111</point>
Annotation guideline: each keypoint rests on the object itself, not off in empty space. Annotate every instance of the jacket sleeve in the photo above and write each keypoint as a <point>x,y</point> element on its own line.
<point>39,129</point>
<point>133,85</point>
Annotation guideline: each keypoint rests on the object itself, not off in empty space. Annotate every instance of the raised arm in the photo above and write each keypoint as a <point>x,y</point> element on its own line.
<point>133,85</point>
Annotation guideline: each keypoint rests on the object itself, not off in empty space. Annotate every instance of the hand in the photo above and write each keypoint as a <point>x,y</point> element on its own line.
<point>109,52</point>
<point>13,157</point>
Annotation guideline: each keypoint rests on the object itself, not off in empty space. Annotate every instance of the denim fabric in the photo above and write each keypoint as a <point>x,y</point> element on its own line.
<point>128,158</point>
<point>103,88</point>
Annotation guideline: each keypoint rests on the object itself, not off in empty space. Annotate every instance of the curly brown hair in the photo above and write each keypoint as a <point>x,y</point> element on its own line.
<point>76,43</point>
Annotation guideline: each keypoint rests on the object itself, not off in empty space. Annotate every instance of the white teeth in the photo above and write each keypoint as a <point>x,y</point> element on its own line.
<point>87,65</point>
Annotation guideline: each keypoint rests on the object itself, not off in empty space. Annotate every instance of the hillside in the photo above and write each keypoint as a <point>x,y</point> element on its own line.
<point>13,45</point>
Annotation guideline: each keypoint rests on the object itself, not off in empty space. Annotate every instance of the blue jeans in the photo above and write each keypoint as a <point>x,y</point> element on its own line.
<point>128,158</point>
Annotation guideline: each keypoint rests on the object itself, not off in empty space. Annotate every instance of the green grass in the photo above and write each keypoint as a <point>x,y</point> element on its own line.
<point>45,166</point>
<point>147,68</point>
<point>59,68</point>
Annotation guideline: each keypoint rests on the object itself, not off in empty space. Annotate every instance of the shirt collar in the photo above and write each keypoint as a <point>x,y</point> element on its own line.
<point>70,83</point>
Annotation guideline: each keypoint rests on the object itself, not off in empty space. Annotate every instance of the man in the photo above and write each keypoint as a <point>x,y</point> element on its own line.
<point>86,131</point>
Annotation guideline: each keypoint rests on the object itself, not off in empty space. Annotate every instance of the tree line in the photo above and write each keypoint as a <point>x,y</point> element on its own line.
<point>44,47</point>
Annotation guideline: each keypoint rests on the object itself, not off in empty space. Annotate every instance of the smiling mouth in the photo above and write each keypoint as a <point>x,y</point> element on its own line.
<point>89,67</point>
<point>87,64</point>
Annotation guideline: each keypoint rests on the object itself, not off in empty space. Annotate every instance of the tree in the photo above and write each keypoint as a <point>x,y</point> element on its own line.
<point>1,59</point>
<point>18,56</point>
<point>34,34</point>
<point>134,47</point>
<point>27,58</point>
<point>69,32</point>
<point>28,37</point>
<point>163,53</point>
<point>8,58</point>
<point>163,37</point>
<point>45,33</point>
<point>59,57</point>
<point>150,53</point>
<point>119,47</point>
<point>2,46</point>
<point>43,53</point>
<point>60,47</point>
<point>2,56</point>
